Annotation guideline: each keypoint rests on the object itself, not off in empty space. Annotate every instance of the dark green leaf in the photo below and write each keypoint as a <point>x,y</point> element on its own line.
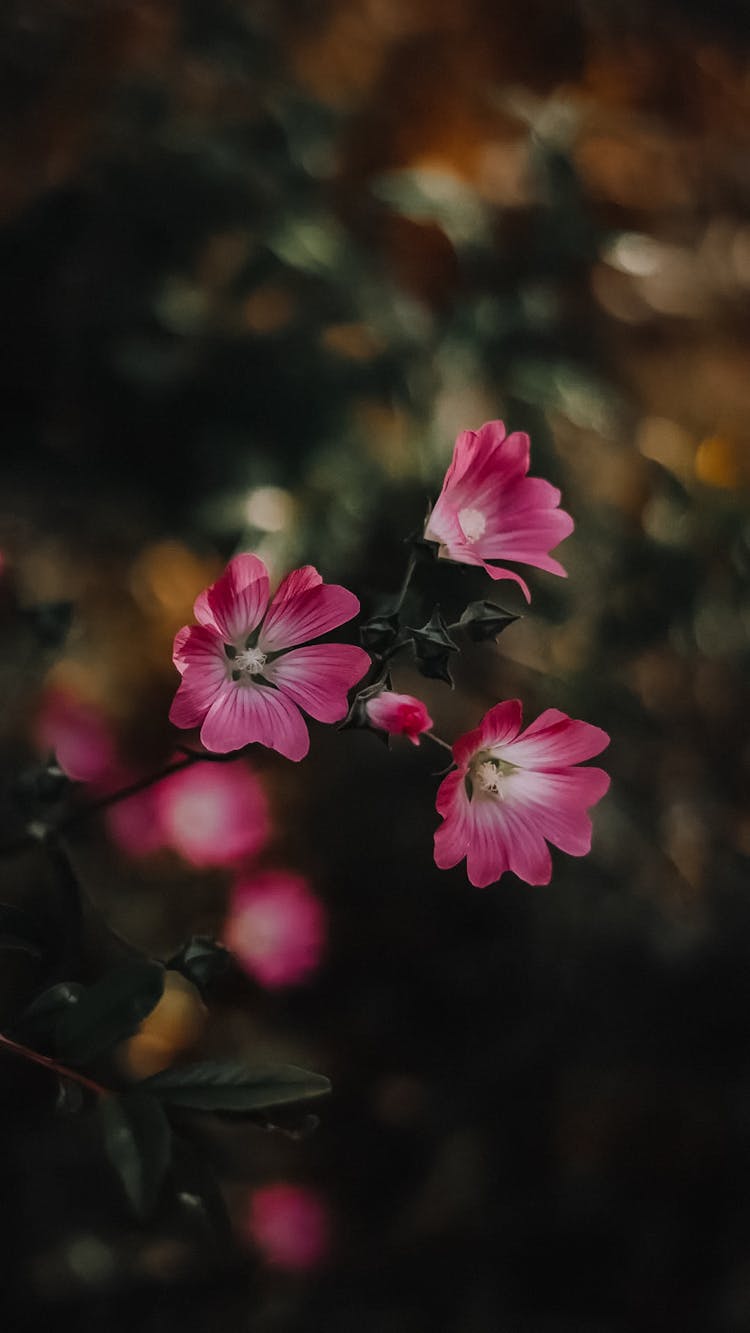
<point>380,632</point>
<point>484,620</point>
<point>199,1191</point>
<point>433,646</point>
<point>137,1138</point>
<point>41,1017</point>
<point>14,944</point>
<point>202,960</point>
<point>235,1087</point>
<point>109,1011</point>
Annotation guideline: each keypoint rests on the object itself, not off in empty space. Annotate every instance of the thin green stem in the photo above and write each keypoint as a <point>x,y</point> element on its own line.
<point>26,1053</point>
<point>408,575</point>
<point>432,737</point>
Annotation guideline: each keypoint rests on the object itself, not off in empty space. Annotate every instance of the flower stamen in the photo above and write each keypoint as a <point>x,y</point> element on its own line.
<point>248,663</point>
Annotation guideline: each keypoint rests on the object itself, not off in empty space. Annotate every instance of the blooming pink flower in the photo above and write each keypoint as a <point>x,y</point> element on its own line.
<point>243,680</point>
<point>511,790</point>
<point>79,736</point>
<point>210,814</point>
<point>276,927</point>
<point>489,509</point>
<point>399,714</point>
<point>290,1224</point>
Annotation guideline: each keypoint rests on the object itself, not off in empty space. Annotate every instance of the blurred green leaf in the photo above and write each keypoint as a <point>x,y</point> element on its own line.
<point>201,960</point>
<point>137,1138</point>
<point>427,195</point>
<point>109,1011</point>
<point>236,1087</point>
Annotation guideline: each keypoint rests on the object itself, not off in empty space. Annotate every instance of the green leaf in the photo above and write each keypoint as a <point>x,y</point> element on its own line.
<point>109,1011</point>
<point>235,1087</point>
<point>485,620</point>
<point>202,960</point>
<point>41,1017</point>
<point>137,1138</point>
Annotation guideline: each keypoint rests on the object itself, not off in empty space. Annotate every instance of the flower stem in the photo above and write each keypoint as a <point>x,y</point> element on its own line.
<point>26,1053</point>
<point>432,737</point>
<point>408,575</point>
<point>122,794</point>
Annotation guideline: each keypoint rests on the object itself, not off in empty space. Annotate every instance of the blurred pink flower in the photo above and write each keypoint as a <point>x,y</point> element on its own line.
<point>510,791</point>
<point>276,927</point>
<point>399,714</point>
<point>291,1226</point>
<point>79,736</point>
<point>243,681</point>
<point>490,510</point>
<point>211,814</point>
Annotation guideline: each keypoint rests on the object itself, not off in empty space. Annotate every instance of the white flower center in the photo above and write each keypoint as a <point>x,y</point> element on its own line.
<point>473,523</point>
<point>248,663</point>
<point>489,776</point>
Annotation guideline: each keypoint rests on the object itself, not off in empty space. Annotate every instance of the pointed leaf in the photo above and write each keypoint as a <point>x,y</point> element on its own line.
<point>484,620</point>
<point>202,959</point>
<point>109,1011</point>
<point>40,1018</point>
<point>137,1138</point>
<point>235,1087</point>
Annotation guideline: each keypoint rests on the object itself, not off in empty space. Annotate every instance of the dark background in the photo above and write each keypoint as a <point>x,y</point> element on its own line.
<point>301,246</point>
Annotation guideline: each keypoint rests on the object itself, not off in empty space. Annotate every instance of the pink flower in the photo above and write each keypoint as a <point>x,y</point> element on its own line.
<point>276,927</point>
<point>210,814</point>
<point>399,714</point>
<point>510,791</point>
<point>243,680</point>
<point>79,736</point>
<point>490,510</point>
<point>290,1225</point>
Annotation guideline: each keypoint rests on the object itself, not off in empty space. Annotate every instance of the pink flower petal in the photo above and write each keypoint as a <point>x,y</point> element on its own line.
<point>247,714</point>
<point>213,814</point>
<point>306,615</point>
<point>199,654</point>
<point>453,837</point>
<point>318,677</point>
<point>236,602</point>
<point>555,740</point>
<point>299,580</point>
<point>557,804</point>
<point>499,726</point>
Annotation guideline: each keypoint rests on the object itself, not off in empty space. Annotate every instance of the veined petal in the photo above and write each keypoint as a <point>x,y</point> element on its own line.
<point>522,836</point>
<point>487,855</point>
<point>499,726</point>
<point>454,835</point>
<point>555,804</point>
<point>555,740</point>
<point>306,615</point>
<point>299,580</point>
<point>235,604</point>
<point>199,655</point>
<point>318,677</point>
<point>249,714</point>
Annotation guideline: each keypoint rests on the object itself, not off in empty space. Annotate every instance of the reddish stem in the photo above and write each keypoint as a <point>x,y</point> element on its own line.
<point>46,1062</point>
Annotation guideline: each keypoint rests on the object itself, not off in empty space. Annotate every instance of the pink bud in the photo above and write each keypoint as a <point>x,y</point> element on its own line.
<point>399,714</point>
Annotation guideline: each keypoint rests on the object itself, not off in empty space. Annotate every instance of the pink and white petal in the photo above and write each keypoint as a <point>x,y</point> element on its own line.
<point>487,856</point>
<point>499,726</point>
<point>318,677</point>
<point>238,600</point>
<point>199,647</point>
<point>305,616</point>
<point>527,852</point>
<point>299,580</point>
<point>255,714</point>
<point>497,572</point>
<point>196,694</point>
<point>555,740</point>
<point>453,837</point>
<point>557,803</point>
<point>241,571</point>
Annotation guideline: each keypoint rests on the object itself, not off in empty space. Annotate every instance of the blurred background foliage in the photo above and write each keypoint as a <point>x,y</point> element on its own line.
<point>260,263</point>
